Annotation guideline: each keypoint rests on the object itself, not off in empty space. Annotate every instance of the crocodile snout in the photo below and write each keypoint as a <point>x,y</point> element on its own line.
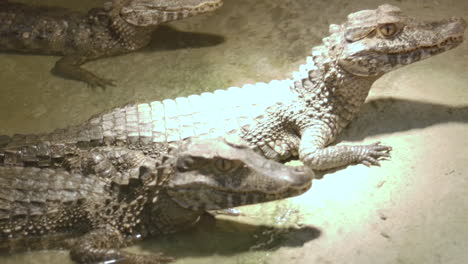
<point>300,176</point>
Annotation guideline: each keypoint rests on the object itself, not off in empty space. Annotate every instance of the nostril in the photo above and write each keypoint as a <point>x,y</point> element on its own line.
<point>459,21</point>
<point>299,169</point>
<point>303,170</point>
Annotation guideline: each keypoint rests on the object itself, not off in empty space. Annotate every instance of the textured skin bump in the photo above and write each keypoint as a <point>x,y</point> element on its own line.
<point>30,193</point>
<point>144,13</point>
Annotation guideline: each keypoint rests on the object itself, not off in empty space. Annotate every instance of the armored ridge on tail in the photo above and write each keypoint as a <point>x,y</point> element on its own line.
<point>95,214</point>
<point>120,27</point>
<point>282,119</point>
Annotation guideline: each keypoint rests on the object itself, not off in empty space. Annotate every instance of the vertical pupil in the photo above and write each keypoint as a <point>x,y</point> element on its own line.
<point>388,29</point>
<point>224,164</point>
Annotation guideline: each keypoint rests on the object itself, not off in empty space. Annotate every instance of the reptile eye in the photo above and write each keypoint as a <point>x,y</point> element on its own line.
<point>224,165</point>
<point>387,30</point>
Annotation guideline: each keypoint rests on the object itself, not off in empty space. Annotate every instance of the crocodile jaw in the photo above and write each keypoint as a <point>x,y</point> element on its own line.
<point>254,179</point>
<point>365,52</point>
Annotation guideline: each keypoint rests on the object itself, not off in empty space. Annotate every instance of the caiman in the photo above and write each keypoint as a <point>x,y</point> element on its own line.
<point>126,195</point>
<point>282,119</point>
<point>120,27</point>
<point>279,120</point>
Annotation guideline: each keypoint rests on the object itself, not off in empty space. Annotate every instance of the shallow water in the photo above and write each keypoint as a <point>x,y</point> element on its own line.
<point>413,209</point>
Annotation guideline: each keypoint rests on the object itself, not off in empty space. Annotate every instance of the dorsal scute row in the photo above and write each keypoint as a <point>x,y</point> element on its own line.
<point>213,114</point>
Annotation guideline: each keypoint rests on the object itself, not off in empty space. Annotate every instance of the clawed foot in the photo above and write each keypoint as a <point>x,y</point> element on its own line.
<point>371,154</point>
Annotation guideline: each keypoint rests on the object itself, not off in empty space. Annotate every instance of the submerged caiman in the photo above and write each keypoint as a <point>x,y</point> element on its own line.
<point>126,195</point>
<point>120,27</point>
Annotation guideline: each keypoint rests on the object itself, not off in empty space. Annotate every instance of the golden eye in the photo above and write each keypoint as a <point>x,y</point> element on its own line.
<point>224,165</point>
<point>387,30</point>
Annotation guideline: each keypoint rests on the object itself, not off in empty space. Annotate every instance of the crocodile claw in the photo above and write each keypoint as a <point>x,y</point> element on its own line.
<point>371,154</point>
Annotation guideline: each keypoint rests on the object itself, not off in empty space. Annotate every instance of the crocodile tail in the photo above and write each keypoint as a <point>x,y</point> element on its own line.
<point>50,149</point>
<point>40,150</point>
<point>36,201</point>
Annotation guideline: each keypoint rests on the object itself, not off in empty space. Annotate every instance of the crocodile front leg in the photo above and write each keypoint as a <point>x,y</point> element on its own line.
<point>315,154</point>
<point>102,245</point>
<point>69,67</point>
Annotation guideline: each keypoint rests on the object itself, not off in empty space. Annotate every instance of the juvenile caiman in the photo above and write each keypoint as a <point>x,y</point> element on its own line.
<point>116,156</point>
<point>127,195</point>
<point>282,119</point>
<point>120,27</point>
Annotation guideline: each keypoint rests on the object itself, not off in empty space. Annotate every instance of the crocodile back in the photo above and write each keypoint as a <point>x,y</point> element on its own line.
<point>29,192</point>
<point>41,150</point>
<point>208,114</point>
<point>26,28</point>
<point>39,208</point>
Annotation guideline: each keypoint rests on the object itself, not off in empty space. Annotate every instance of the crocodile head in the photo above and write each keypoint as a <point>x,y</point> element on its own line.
<point>210,174</point>
<point>373,42</point>
<point>154,12</point>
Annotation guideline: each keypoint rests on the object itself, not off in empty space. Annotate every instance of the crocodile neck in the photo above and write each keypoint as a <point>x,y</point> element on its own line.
<point>328,92</point>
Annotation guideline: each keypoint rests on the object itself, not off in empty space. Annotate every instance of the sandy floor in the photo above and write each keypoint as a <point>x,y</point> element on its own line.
<point>413,209</point>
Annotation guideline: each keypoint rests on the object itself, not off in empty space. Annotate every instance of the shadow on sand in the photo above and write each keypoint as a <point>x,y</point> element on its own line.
<point>229,237</point>
<point>391,115</point>
<point>168,38</point>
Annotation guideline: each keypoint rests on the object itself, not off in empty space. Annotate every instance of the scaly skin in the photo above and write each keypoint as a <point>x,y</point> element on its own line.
<point>122,26</point>
<point>126,195</point>
<point>282,119</point>
<point>121,149</point>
